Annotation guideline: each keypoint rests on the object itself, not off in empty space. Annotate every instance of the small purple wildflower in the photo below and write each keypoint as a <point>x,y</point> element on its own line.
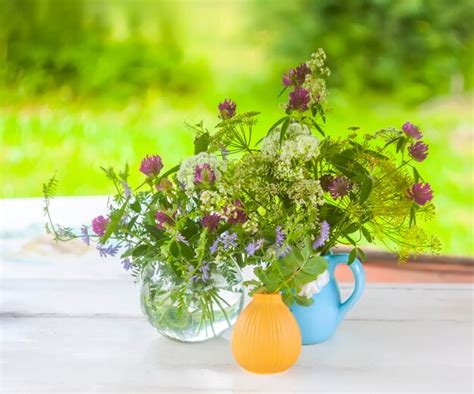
<point>299,99</point>
<point>151,165</point>
<point>252,247</point>
<point>126,189</point>
<point>279,236</point>
<point>340,187</point>
<point>419,151</point>
<point>203,173</point>
<point>127,264</point>
<point>105,251</point>
<point>224,152</point>
<point>214,246</point>
<point>412,131</point>
<point>227,109</point>
<point>323,235</point>
<point>180,238</point>
<point>99,225</point>
<point>282,250</point>
<point>420,193</point>
<point>85,235</point>
<point>205,272</point>
<point>228,240</point>
<point>211,221</point>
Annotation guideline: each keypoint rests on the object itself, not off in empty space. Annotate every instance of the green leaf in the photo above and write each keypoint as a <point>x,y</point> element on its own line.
<point>318,127</point>
<point>136,206</point>
<point>282,91</point>
<point>361,255</point>
<point>201,143</point>
<point>279,121</point>
<point>154,232</point>
<point>310,271</point>
<point>366,234</point>
<point>186,251</point>
<point>352,256</point>
<point>174,249</point>
<point>284,127</point>
<point>412,215</point>
<point>352,228</point>
<point>303,301</point>
<point>140,250</point>
<point>416,174</point>
<point>190,230</point>
<point>365,189</point>
<point>131,223</point>
<point>171,171</point>
<point>401,144</point>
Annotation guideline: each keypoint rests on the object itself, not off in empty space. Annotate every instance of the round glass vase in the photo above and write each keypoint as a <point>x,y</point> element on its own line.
<point>192,310</point>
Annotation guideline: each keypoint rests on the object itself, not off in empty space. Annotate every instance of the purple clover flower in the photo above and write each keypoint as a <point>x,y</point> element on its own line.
<point>151,165</point>
<point>299,99</point>
<point>412,131</point>
<point>227,109</point>
<point>296,76</point>
<point>85,235</point>
<point>300,73</point>
<point>211,221</point>
<point>340,187</point>
<point>237,215</point>
<point>323,235</point>
<point>162,218</point>
<point>252,247</point>
<point>419,151</point>
<point>127,264</point>
<point>203,173</point>
<point>287,79</point>
<point>99,225</point>
<point>325,181</point>
<point>105,251</point>
<point>420,193</point>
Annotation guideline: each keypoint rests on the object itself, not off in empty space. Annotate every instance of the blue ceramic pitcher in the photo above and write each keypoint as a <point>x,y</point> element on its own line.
<point>319,321</point>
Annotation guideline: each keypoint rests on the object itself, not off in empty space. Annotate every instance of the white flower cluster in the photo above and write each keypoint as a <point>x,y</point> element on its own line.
<point>315,83</point>
<point>300,144</point>
<point>187,171</point>
<point>307,191</point>
<point>299,147</point>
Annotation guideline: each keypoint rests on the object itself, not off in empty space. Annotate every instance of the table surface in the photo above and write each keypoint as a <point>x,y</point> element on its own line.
<point>70,323</point>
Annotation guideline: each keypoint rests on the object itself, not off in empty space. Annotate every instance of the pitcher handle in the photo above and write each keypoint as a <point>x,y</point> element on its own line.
<point>359,279</point>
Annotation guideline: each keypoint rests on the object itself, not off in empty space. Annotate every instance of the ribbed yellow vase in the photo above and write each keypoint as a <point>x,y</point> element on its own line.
<point>266,338</point>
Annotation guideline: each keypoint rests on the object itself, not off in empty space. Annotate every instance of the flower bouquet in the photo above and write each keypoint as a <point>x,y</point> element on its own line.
<point>279,205</point>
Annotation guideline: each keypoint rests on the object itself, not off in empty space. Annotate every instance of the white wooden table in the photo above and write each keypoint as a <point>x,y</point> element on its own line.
<point>70,323</point>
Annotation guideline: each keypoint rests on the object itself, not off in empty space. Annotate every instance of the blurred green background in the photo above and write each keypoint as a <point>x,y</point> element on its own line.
<point>85,83</point>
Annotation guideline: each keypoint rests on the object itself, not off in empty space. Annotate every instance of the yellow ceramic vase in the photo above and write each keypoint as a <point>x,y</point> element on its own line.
<point>266,338</point>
